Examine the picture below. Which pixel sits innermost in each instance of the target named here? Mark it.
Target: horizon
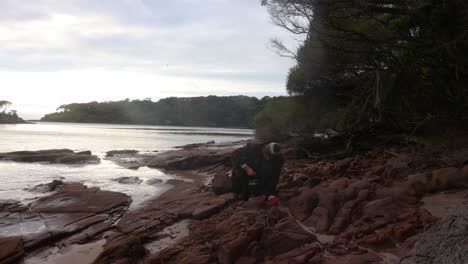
(56, 53)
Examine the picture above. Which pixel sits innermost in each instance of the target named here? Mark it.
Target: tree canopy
(4, 105)
(6, 116)
(393, 63)
(212, 111)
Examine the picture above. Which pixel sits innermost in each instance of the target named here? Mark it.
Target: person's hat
(273, 148)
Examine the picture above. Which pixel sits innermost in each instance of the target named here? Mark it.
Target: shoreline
(333, 210)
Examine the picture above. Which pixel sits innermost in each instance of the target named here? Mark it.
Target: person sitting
(256, 170)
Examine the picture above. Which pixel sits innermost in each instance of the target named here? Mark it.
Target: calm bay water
(99, 138)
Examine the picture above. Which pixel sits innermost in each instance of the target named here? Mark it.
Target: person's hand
(249, 171)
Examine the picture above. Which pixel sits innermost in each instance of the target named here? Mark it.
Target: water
(99, 138)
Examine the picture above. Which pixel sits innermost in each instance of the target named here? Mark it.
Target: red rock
(76, 198)
(343, 217)
(367, 258)
(77, 158)
(419, 184)
(382, 208)
(231, 251)
(354, 188)
(303, 205)
(338, 185)
(446, 178)
(320, 219)
(65, 156)
(186, 159)
(465, 172)
(48, 187)
(205, 211)
(298, 256)
(221, 183)
(285, 236)
(11, 249)
(124, 152)
(124, 246)
(404, 230)
(379, 238)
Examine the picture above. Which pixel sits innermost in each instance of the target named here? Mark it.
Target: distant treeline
(212, 111)
(8, 117)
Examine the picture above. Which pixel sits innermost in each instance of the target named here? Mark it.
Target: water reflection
(99, 138)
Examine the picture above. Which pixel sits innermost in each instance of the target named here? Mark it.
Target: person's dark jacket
(267, 171)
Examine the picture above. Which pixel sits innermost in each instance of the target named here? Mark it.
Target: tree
(4, 105)
(390, 62)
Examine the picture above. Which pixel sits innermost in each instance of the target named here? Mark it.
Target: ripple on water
(103, 175)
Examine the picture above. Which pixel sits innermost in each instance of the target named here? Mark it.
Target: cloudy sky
(61, 51)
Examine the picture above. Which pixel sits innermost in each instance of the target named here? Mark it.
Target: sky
(54, 52)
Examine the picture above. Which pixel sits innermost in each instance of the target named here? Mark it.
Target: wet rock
(87, 152)
(214, 206)
(128, 180)
(129, 159)
(113, 153)
(154, 181)
(77, 159)
(73, 198)
(65, 156)
(221, 183)
(85, 235)
(123, 248)
(187, 159)
(48, 187)
(196, 145)
(11, 249)
(11, 206)
(72, 209)
(39, 152)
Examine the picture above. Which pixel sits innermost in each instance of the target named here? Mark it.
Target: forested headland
(210, 111)
(8, 116)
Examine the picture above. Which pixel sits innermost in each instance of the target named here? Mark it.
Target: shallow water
(99, 138)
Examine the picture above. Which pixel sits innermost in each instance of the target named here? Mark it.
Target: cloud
(216, 45)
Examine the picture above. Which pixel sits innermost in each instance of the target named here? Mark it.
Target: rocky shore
(62, 156)
(381, 205)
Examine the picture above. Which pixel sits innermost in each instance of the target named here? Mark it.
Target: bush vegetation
(7, 116)
(397, 65)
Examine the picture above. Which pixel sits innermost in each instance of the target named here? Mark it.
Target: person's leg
(245, 190)
(240, 184)
(236, 182)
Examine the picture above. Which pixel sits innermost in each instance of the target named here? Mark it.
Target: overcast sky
(54, 52)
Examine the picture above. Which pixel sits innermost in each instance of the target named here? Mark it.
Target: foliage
(4, 105)
(212, 111)
(8, 116)
(391, 63)
(280, 118)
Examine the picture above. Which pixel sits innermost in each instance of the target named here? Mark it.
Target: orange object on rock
(273, 199)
